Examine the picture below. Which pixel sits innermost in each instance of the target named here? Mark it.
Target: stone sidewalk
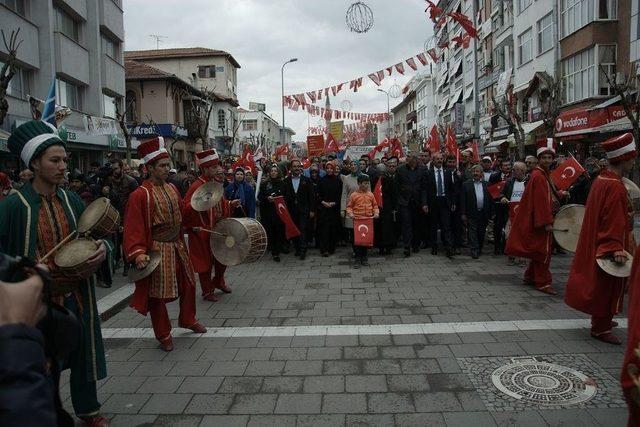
(429, 365)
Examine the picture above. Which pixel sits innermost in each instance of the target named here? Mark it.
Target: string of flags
(293, 102)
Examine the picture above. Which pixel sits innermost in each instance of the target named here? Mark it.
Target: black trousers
(328, 229)
(499, 222)
(441, 219)
(410, 218)
(360, 251)
(300, 242)
(477, 228)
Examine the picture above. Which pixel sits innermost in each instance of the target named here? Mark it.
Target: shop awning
(443, 105)
(4, 136)
(494, 146)
(619, 125)
(468, 93)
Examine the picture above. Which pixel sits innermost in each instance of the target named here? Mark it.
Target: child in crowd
(362, 204)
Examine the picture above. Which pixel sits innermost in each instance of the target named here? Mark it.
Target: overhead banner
(99, 125)
(315, 145)
(337, 130)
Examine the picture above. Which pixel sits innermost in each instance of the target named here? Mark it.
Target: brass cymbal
(154, 261)
(207, 196)
(609, 266)
(632, 188)
(566, 226)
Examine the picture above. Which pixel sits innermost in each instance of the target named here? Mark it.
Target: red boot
(607, 337)
(224, 288)
(211, 297)
(166, 344)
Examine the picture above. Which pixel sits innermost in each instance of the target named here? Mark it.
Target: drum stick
(206, 230)
(56, 247)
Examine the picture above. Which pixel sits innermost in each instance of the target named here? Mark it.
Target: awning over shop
(443, 105)
(494, 146)
(620, 125)
(4, 136)
(586, 120)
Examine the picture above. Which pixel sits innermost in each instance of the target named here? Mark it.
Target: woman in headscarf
(329, 194)
(240, 190)
(349, 185)
(270, 188)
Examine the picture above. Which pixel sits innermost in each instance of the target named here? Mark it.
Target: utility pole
(476, 95)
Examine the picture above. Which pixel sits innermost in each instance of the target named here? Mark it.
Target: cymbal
(206, 196)
(566, 226)
(238, 240)
(632, 188)
(609, 266)
(154, 261)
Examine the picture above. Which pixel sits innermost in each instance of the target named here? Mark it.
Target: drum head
(613, 268)
(75, 252)
(206, 196)
(92, 214)
(632, 188)
(231, 243)
(566, 226)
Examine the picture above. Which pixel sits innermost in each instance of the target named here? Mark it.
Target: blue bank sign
(163, 129)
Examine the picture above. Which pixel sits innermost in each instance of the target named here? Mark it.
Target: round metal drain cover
(543, 383)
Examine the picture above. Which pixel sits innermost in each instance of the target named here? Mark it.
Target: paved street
(403, 342)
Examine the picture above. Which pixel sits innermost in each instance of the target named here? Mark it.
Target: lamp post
(282, 76)
(388, 113)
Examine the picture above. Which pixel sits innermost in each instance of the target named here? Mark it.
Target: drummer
(33, 222)
(530, 235)
(606, 233)
(153, 222)
(199, 247)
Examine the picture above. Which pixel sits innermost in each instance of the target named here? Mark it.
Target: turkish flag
(513, 208)
(566, 174)
(332, 145)
(290, 228)
(474, 150)
(363, 232)
(377, 192)
(496, 189)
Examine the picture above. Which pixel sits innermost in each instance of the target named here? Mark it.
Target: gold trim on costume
(28, 227)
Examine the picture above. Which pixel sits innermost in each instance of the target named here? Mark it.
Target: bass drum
(566, 226)
(238, 240)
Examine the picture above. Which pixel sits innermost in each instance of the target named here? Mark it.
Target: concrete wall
(634, 46)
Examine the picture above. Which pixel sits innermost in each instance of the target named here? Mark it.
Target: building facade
(211, 71)
(80, 43)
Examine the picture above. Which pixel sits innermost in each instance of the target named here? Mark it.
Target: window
(68, 94)
(523, 4)
(207, 71)
(545, 33)
(579, 76)
(109, 104)
(249, 125)
(17, 6)
(524, 47)
(607, 59)
(222, 119)
(19, 85)
(67, 25)
(132, 105)
(111, 48)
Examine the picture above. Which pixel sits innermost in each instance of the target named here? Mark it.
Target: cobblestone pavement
(277, 355)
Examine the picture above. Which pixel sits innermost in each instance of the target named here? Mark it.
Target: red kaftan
(605, 230)
(528, 238)
(633, 339)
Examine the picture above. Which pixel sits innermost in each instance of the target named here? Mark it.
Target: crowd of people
(423, 201)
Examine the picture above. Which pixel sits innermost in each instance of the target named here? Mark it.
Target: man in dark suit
(476, 208)
(501, 211)
(441, 202)
(301, 201)
(412, 202)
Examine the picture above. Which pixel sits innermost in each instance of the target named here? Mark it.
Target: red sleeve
(541, 202)
(190, 217)
(135, 224)
(613, 223)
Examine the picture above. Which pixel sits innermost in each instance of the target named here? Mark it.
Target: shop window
(545, 33)
(524, 47)
(132, 104)
(68, 94)
(67, 25)
(222, 119)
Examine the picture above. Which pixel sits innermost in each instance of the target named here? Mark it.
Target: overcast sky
(262, 34)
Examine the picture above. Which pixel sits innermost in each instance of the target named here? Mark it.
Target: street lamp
(388, 114)
(282, 76)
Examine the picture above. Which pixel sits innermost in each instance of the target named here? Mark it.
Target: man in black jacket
(301, 201)
(441, 201)
(501, 211)
(476, 208)
(412, 201)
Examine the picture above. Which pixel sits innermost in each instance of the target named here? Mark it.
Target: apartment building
(208, 70)
(79, 42)
(426, 106)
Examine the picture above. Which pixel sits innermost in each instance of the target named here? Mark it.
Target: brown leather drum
(566, 226)
(238, 240)
(99, 219)
(71, 259)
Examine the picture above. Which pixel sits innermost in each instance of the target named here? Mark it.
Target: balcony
(76, 7)
(29, 49)
(72, 59)
(111, 20)
(112, 76)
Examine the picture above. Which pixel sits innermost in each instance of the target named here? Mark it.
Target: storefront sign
(580, 121)
(163, 129)
(99, 125)
(356, 151)
(315, 145)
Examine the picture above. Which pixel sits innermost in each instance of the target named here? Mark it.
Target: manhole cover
(542, 383)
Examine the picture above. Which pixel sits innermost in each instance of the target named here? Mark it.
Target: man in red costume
(631, 380)
(199, 247)
(530, 235)
(606, 231)
(153, 222)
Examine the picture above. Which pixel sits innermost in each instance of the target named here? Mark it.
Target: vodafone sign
(576, 122)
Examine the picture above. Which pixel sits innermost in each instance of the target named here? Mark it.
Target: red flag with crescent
(513, 208)
(363, 232)
(377, 192)
(566, 174)
(496, 189)
(290, 228)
